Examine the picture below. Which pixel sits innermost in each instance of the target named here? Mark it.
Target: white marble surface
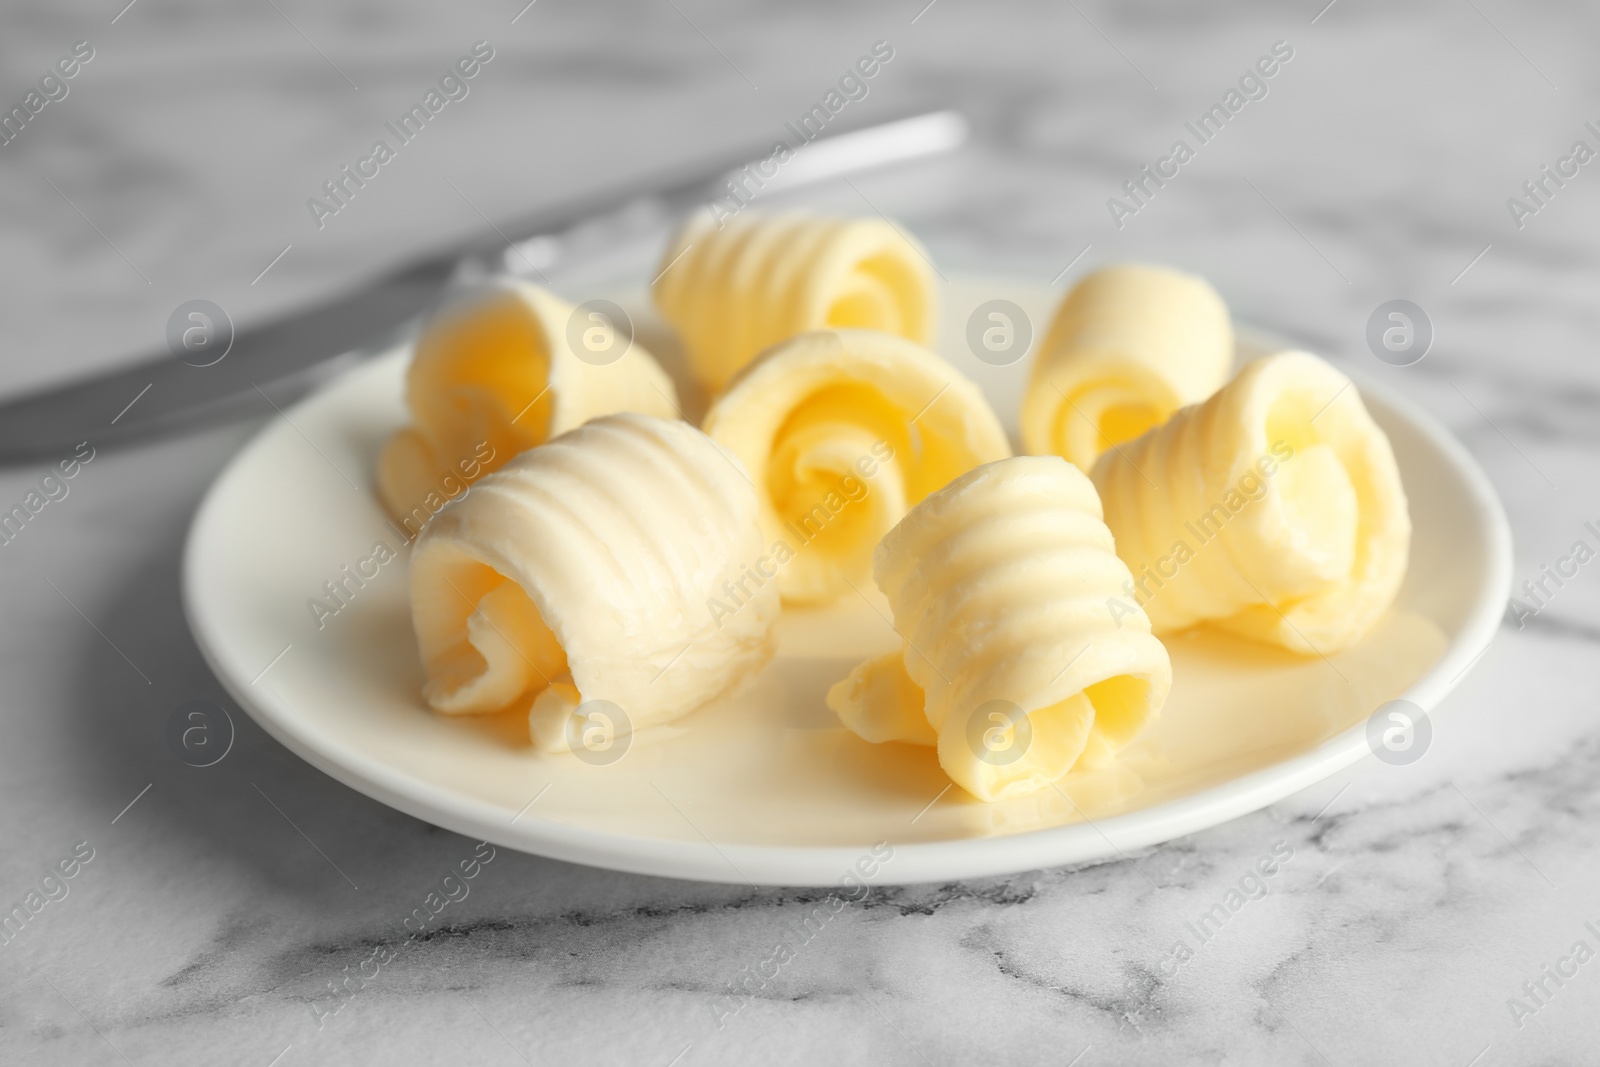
(1416, 903)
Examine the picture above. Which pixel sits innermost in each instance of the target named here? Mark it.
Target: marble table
(212, 912)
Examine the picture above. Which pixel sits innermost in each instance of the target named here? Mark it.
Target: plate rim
(1084, 842)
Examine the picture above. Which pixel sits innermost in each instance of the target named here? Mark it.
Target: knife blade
(276, 361)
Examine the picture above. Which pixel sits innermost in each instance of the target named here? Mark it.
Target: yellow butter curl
(842, 431)
(733, 291)
(494, 373)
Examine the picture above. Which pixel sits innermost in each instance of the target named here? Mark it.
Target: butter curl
(1011, 664)
(1274, 510)
(842, 431)
(494, 373)
(732, 290)
(1129, 345)
(583, 571)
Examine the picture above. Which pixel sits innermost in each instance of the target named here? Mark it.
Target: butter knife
(277, 361)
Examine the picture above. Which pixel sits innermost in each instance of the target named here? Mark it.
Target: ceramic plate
(766, 787)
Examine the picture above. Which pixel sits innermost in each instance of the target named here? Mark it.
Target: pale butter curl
(1011, 664)
(1274, 510)
(582, 571)
(1129, 345)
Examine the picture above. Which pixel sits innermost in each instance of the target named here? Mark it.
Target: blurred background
(1378, 166)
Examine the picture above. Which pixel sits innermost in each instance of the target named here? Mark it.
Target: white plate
(766, 787)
